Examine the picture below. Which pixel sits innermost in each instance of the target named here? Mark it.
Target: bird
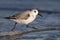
(24, 17)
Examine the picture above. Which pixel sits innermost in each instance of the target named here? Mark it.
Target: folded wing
(23, 15)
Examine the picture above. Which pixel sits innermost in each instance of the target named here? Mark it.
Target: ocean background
(12, 7)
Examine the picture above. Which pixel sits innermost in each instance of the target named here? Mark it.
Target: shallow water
(11, 7)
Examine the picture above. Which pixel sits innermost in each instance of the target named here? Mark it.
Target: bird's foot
(13, 28)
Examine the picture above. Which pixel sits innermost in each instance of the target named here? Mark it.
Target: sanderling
(25, 17)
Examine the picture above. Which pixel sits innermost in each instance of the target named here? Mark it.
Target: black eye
(35, 11)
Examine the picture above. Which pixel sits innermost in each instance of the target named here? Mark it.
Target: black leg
(14, 26)
(31, 27)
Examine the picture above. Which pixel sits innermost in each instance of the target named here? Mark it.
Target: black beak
(39, 13)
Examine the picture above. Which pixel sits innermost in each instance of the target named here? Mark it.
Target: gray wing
(23, 15)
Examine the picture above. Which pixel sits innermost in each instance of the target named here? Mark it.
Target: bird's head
(36, 12)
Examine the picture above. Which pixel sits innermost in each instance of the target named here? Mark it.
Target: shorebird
(25, 17)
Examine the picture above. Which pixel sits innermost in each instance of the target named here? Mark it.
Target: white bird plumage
(25, 17)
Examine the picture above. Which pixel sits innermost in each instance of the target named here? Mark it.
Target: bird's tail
(8, 17)
(5, 17)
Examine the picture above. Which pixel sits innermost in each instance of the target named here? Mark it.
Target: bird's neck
(34, 16)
